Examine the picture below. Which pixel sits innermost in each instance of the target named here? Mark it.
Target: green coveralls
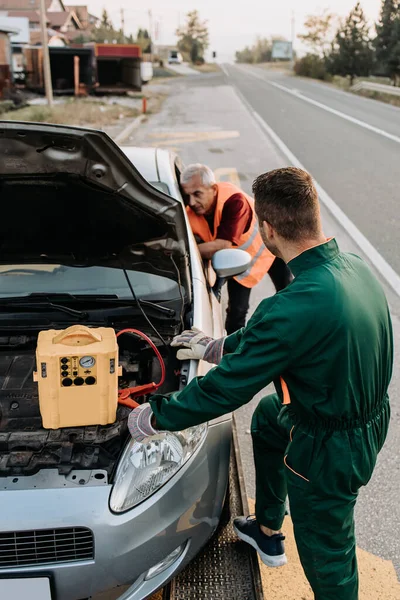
(329, 336)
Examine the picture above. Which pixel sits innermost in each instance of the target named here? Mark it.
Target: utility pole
(293, 34)
(123, 25)
(46, 58)
(151, 34)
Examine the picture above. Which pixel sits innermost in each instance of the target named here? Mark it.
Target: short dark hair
(288, 201)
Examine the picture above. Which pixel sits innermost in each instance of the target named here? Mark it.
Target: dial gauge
(87, 362)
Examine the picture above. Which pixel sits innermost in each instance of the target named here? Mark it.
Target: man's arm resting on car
(208, 249)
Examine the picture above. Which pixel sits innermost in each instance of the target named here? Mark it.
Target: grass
(73, 112)
(344, 84)
(207, 68)
(163, 72)
(382, 97)
(284, 65)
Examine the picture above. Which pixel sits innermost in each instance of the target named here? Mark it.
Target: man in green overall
(326, 343)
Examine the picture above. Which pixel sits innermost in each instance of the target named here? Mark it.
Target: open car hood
(70, 196)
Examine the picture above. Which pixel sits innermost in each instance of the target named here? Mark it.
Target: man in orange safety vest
(221, 216)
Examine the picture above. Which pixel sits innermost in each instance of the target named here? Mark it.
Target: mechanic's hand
(139, 423)
(198, 346)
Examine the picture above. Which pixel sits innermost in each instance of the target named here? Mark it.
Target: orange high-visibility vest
(250, 241)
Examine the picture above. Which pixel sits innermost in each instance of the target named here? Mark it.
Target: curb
(121, 137)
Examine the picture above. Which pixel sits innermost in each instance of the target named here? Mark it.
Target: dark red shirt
(235, 220)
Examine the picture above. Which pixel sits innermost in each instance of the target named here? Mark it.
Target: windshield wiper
(158, 307)
(37, 299)
(44, 305)
(108, 298)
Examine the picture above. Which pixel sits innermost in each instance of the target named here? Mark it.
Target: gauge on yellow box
(87, 362)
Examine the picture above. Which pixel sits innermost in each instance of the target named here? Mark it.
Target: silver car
(86, 239)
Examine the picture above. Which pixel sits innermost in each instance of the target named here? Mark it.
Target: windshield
(23, 280)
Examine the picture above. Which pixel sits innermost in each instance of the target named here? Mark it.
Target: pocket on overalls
(300, 458)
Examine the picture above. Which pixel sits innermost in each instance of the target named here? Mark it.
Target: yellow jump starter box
(77, 374)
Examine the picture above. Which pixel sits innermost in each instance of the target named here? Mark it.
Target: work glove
(196, 345)
(139, 423)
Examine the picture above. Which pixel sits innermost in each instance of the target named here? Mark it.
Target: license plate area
(32, 588)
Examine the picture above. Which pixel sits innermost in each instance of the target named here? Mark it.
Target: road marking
(216, 134)
(229, 174)
(189, 137)
(338, 113)
(224, 69)
(380, 264)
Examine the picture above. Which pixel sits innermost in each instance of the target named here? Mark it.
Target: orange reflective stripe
(293, 471)
(250, 241)
(285, 392)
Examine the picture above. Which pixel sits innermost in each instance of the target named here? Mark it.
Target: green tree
(312, 65)
(352, 53)
(384, 31)
(193, 36)
(105, 20)
(394, 57)
(143, 40)
(319, 32)
(245, 56)
(105, 32)
(260, 52)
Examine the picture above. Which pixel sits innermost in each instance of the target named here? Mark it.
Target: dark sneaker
(270, 547)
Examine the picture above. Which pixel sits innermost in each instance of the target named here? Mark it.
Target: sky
(230, 28)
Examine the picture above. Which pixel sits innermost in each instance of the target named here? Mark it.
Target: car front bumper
(184, 512)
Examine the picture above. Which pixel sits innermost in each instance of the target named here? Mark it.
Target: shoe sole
(270, 561)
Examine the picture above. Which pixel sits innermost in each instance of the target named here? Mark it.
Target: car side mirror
(229, 263)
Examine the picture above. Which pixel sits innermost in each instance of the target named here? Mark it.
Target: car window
(179, 167)
(22, 280)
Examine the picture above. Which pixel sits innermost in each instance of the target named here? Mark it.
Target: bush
(6, 105)
(312, 65)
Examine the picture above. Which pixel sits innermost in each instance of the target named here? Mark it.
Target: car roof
(156, 165)
(145, 160)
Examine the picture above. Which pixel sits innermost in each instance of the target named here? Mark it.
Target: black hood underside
(71, 196)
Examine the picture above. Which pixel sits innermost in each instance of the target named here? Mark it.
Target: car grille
(30, 548)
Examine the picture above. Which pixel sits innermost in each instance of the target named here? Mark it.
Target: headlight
(145, 467)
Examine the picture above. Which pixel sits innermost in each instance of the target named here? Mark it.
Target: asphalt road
(359, 168)
(205, 120)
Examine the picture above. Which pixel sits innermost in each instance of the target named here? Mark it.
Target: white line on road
(333, 111)
(224, 70)
(380, 264)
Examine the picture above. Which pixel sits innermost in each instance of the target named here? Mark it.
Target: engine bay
(26, 447)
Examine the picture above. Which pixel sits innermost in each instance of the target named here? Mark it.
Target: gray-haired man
(222, 216)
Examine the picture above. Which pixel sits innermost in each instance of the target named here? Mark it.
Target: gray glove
(196, 345)
(139, 423)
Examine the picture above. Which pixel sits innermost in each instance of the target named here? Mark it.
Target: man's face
(201, 199)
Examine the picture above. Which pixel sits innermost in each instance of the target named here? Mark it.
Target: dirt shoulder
(109, 113)
(207, 68)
